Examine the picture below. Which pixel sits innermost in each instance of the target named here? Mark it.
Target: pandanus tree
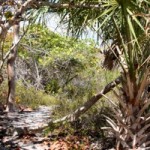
(130, 23)
(131, 127)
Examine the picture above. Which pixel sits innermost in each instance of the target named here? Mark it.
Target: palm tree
(131, 126)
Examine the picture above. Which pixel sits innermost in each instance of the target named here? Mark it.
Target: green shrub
(33, 98)
(3, 92)
(27, 96)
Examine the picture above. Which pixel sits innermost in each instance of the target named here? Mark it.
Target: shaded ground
(23, 131)
(38, 142)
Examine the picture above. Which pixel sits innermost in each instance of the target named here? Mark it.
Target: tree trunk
(11, 70)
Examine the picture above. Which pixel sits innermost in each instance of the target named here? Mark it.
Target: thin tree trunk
(88, 104)
(11, 70)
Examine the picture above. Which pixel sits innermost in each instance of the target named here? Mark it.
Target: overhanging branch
(71, 5)
(87, 105)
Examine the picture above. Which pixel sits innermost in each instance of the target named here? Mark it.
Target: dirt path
(23, 131)
(13, 126)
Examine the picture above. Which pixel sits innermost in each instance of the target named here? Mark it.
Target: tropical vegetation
(124, 27)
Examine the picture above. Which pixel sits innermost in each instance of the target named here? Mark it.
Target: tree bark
(11, 70)
(88, 104)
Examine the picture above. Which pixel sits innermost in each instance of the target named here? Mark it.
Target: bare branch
(17, 15)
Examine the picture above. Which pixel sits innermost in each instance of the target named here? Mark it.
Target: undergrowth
(28, 97)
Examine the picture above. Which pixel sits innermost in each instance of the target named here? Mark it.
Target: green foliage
(3, 92)
(70, 68)
(8, 14)
(33, 98)
(68, 61)
(29, 97)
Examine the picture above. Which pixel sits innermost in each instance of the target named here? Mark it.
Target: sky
(53, 24)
